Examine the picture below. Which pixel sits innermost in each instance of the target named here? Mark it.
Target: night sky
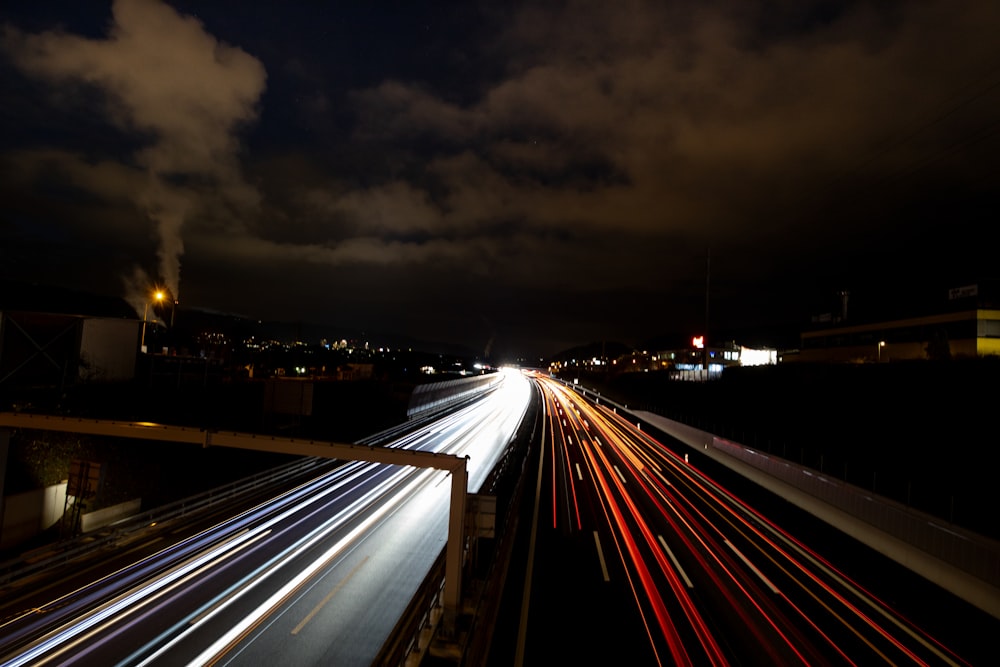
(513, 177)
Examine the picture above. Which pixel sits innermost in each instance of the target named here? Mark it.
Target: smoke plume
(170, 82)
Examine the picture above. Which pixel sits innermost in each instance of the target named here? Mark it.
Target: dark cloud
(562, 170)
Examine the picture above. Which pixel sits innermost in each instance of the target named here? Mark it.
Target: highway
(642, 558)
(319, 575)
(689, 573)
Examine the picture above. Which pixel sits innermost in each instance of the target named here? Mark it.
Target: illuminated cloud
(695, 111)
(174, 85)
(581, 154)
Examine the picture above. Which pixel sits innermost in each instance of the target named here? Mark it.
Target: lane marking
(619, 472)
(522, 630)
(600, 556)
(221, 601)
(680, 570)
(579, 474)
(760, 574)
(329, 596)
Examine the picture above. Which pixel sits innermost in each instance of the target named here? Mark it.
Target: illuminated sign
(698, 342)
(749, 357)
(963, 292)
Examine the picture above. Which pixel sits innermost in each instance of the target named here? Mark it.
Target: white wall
(108, 349)
(27, 514)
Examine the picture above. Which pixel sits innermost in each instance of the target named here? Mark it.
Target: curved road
(319, 575)
(680, 571)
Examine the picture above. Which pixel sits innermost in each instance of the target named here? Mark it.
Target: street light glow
(159, 296)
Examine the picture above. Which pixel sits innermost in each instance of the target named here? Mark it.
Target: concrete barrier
(108, 515)
(959, 561)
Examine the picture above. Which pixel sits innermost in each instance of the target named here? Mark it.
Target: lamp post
(145, 311)
(881, 344)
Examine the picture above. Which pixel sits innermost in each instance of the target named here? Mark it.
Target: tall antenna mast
(708, 277)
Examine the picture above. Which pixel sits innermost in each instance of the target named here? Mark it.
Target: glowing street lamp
(145, 311)
(881, 344)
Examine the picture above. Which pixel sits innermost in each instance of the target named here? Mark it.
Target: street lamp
(881, 344)
(145, 311)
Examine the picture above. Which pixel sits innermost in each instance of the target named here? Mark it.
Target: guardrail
(444, 394)
(117, 531)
